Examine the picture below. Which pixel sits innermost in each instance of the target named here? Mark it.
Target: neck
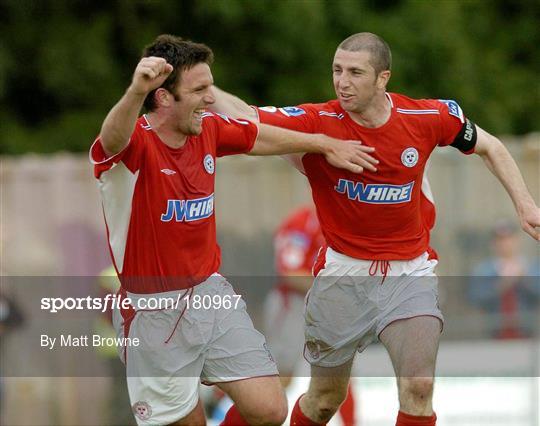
(374, 115)
(167, 132)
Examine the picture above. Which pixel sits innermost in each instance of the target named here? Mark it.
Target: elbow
(110, 146)
(491, 147)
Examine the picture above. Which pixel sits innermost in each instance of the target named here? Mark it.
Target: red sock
(233, 418)
(410, 420)
(346, 411)
(300, 419)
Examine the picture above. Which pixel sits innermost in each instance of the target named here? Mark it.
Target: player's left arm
(499, 161)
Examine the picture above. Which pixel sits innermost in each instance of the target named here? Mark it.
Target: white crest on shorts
(409, 157)
(142, 410)
(209, 164)
(314, 349)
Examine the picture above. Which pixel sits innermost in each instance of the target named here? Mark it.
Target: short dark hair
(181, 54)
(381, 56)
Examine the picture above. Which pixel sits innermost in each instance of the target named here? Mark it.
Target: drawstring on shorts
(190, 291)
(383, 265)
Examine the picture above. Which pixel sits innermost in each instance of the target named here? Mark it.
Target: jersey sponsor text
(189, 210)
(375, 193)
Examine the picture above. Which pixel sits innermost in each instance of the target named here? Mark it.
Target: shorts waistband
(333, 255)
(173, 294)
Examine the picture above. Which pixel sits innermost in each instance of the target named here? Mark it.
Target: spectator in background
(507, 286)
(11, 317)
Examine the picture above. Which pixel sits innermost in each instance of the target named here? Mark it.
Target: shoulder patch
(454, 109)
(292, 111)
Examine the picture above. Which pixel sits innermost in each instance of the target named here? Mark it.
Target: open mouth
(198, 113)
(345, 96)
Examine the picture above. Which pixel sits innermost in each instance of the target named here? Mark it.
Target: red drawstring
(384, 266)
(181, 314)
(134, 312)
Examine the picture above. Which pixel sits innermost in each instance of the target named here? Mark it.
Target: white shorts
(348, 307)
(284, 328)
(182, 345)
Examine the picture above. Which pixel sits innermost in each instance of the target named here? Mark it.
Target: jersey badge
(291, 111)
(409, 157)
(454, 109)
(208, 163)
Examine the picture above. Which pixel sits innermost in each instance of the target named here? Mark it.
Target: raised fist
(149, 74)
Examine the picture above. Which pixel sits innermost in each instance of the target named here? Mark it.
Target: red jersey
(375, 215)
(298, 241)
(158, 203)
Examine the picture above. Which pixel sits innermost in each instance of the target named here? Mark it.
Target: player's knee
(267, 414)
(419, 389)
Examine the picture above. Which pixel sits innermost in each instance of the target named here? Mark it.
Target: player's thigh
(163, 370)
(412, 345)
(256, 395)
(340, 316)
(236, 350)
(162, 400)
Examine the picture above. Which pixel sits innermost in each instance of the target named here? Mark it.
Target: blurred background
(63, 65)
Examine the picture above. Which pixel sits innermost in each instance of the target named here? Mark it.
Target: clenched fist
(149, 74)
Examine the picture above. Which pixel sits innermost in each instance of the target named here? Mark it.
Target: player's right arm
(232, 106)
(349, 155)
(294, 137)
(119, 124)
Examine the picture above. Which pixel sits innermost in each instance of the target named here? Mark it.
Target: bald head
(380, 55)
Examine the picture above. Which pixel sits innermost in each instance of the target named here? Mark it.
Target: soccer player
(296, 245)
(156, 175)
(375, 227)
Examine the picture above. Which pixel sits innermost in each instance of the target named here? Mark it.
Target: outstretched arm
(232, 106)
(499, 161)
(272, 140)
(119, 124)
(349, 155)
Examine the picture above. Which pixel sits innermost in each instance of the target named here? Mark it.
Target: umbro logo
(168, 171)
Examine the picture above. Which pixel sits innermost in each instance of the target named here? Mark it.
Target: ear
(382, 79)
(162, 97)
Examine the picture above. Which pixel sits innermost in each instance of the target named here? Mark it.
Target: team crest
(409, 157)
(142, 410)
(209, 164)
(314, 349)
